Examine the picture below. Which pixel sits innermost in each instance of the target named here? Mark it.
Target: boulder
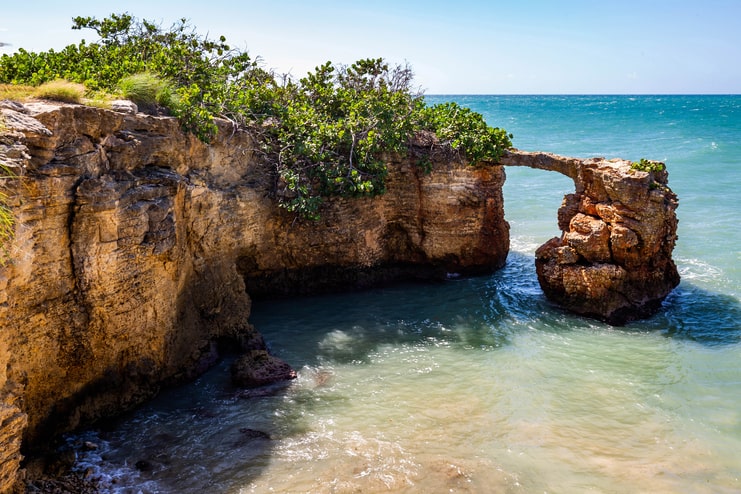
(124, 106)
(259, 368)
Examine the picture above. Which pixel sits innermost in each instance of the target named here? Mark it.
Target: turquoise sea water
(479, 385)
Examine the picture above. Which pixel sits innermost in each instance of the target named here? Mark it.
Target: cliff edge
(136, 246)
(137, 249)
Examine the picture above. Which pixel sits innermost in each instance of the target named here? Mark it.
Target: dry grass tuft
(16, 92)
(61, 90)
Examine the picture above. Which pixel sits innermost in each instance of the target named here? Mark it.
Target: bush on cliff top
(326, 133)
(645, 165)
(147, 90)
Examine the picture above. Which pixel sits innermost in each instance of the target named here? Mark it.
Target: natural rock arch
(613, 260)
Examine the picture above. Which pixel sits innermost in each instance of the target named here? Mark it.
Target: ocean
(480, 385)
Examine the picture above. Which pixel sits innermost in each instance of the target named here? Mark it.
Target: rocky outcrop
(136, 247)
(613, 260)
(258, 368)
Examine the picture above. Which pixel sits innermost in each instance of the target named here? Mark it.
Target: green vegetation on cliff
(645, 165)
(6, 215)
(326, 133)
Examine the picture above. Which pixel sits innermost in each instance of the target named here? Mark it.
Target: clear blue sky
(463, 47)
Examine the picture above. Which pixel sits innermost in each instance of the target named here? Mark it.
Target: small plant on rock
(6, 214)
(645, 165)
(16, 92)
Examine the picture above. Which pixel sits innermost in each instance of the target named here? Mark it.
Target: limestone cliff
(613, 260)
(136, 247)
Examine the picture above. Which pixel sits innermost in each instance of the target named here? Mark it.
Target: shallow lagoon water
(480, 384)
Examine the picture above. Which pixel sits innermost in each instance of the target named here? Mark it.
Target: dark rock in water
(252, 441)
(144, 465)
(258, 368)
(253, 433)
(202, 413)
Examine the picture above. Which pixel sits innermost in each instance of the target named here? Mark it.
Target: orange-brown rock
(613, 260)
(136, 247)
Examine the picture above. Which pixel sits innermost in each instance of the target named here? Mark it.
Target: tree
(326, 133)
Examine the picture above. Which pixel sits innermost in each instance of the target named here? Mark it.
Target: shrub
(147, 90)
(645, 165)
(334, 129)
(61, 90)
(326, 133)
(465, 131)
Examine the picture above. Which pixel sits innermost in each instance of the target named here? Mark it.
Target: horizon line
(581, 94)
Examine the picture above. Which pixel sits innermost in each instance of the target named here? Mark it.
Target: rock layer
(135, 246)
(613, 260)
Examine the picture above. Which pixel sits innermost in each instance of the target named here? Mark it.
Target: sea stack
(613, 260)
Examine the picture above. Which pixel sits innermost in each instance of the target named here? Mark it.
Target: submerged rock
(253, 433)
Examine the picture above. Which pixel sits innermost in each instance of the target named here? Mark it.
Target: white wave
(699, 271)
(524, 245)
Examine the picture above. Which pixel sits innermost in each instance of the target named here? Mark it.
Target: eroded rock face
(613, 260)
(136, 244)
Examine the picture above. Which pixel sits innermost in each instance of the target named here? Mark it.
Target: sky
(462, 47)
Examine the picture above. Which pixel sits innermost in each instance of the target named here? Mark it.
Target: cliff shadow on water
(188, 439)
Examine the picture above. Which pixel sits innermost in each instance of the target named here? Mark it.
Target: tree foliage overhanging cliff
(326, 132)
